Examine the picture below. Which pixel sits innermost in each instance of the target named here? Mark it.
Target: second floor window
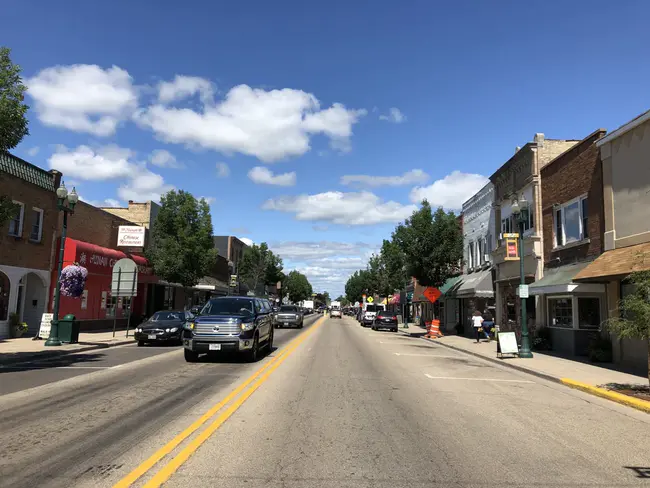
(36, 232)
(571, 222)
(16, 223)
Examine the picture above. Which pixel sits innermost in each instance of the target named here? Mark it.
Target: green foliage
(394, 262)
(8, 209)
(634, 321)
(297, 287)
(259, 267)
(13, 110)
(432, 245)
(358, 284)
(322, 299)
(181, 248)
(344, 301)
(600, 349)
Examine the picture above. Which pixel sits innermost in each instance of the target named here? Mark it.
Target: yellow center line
(149, 463)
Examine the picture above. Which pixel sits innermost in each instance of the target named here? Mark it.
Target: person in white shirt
(477, 322)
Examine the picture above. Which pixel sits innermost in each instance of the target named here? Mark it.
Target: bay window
(574, 312)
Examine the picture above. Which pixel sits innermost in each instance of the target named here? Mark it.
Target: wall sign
(130, 236)
(512, 247)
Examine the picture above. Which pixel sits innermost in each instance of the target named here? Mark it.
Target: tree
(358, 284)
(181, 248)
(297, 287)
(13, 120)
(322, 298)
(343, 301)
(259, 266)
(634, 321)
(394, 262)
(432, 245)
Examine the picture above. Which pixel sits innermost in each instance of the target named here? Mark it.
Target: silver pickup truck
(289, 316)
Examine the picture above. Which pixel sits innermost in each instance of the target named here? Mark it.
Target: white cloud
(111, 163)
(164, 159)
(326, 264)
(83, 97)
(223, 171)
(395, 115)
(105, 163)
(363, 208)
(108, 202)
(33, 151)
(183, 87)
(269, 125)
(451, 191)
(409, 178)
(144, 185)
(264, 176)
(208, 200)
(246, 240)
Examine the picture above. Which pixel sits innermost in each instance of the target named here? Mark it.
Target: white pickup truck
(335, 310)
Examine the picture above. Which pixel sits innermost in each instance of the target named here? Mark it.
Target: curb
(45, 355)
(626, 400)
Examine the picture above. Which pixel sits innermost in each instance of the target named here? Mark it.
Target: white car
(336, 312)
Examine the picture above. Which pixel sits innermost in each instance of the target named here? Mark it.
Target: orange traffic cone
(433, 329)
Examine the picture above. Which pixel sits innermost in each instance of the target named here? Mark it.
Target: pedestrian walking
(477, 322)
(488, 324)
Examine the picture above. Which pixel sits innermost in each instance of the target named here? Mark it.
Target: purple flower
(73, 280)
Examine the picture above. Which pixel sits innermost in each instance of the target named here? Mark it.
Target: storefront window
(4, 296)
(560, 312)
(589, 313)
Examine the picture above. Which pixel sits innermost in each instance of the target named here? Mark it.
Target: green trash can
(69, 329)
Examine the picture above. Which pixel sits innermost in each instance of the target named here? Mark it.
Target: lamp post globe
(62, 192)
(73, 197)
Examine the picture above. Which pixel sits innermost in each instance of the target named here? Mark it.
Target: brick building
(27, 241)
(572, 221)
(143, 214)
(520, 178)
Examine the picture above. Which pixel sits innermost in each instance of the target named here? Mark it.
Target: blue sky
(289, 97)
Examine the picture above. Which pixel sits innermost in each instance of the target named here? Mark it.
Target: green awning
(451, 285)
(560, 280)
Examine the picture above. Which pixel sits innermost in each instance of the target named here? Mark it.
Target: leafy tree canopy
(297, 287)
(259, 267)
(432, 245)
(181, 249)
(13, 110)
(358, 284)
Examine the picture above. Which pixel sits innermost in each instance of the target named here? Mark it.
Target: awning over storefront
(476, 285)
(561, 280)
(451, 285)
(208, 283)
(100, 260)
(616, 263)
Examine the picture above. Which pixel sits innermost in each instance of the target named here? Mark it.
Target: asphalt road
(64, 420)
(338, 406)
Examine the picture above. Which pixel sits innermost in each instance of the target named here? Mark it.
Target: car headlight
(137, 329)
(173, 329)
(247, 325)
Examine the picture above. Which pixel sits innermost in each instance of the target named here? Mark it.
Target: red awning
(395, 299)
(100, 260)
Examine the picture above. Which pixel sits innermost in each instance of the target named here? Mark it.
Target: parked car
(230, 324)
(369, 313)
(289, 316)
(163, 326)
(385, 320)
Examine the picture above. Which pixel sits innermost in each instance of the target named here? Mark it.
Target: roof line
(632, 124)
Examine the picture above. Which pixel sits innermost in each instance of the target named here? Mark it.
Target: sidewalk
(14, 351)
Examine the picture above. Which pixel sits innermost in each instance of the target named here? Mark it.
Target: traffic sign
(523, 291)
(370, 299)
(432, 294)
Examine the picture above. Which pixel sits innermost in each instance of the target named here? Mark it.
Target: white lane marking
(424, 355)
(475, 379)
(8, 366)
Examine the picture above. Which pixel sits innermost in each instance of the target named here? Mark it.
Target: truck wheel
(254, 351)
(191, 356)
(269, 343)
(300, 325)
(140, 343)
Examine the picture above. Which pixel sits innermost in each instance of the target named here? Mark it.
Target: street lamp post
(520, 209)
(71, 199)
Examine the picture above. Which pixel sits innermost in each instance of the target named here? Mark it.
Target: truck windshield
(371, 308)
(228, 306)
(288, 308)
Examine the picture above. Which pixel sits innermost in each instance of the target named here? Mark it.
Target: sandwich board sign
(46, 325)
(507, 343)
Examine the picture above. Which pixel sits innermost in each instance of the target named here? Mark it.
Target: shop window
(16, 223)
(4, 296)
(111, 306)
(571, 222)
(470, 256)
(588, 312)
(560, 311)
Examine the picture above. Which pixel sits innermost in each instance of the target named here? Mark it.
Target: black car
(230, 324)
(163, 326)
(385, 320)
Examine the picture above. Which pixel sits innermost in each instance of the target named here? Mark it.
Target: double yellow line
(259, 377)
